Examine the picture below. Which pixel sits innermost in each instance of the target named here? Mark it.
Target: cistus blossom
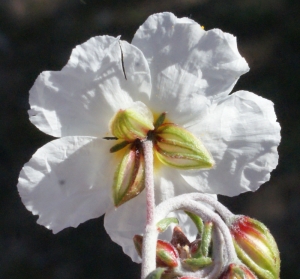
(172, 67)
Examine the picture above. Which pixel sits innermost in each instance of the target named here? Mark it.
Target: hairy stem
(187, 202)
(151, 233)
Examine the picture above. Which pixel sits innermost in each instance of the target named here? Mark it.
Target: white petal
(82, 97)
(242, 135)
(189, 66)
(68, 181)
(123, 223)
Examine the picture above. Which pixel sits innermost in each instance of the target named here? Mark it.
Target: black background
(38, 35)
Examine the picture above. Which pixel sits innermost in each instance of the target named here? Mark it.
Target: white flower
(172, 66)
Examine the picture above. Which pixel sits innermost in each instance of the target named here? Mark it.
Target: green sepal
(160, 120)
(197, 263)
(177, 147)
(156, 274)
(129, 175)
(118, 146)
(163, 224)
(197, 221)
(132, 123)
(206, 239)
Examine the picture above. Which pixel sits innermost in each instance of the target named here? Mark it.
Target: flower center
(173, 146)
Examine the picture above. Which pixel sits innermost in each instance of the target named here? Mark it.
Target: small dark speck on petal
(61, 182)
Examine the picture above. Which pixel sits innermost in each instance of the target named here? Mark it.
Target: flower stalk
(151, 232)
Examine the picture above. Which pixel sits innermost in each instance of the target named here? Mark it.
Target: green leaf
(163, 224)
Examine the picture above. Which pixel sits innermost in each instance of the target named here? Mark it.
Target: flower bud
(129, 176)
(256, 247)
(179, 148)
(235, 271)
(132, 123)
(179, 238)
(166, 254)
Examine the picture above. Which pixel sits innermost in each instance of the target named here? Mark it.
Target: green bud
(129, 176)
(256, 247)
(132, 123)
(179, 148)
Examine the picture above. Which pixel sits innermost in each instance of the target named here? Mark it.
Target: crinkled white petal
(130, 219)
(189, 67)
(242, 135)
(82, 97)
(67, 182)
(124, 222)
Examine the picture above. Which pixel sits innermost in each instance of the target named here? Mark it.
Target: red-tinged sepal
(237, 271)
(138, 244)
(179, 238)
(166, 254)
(129, 176)
(156, 274)
(256, 247)
(177, 147)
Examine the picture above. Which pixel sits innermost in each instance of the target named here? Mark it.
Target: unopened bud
(179, 238)
(132, 123)
(179, 148)
(256, 247)
(129, 176)
(237, 271)
(166, 254)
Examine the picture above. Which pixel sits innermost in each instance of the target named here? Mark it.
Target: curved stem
(151, 233)
(187, 202)
(223, 211)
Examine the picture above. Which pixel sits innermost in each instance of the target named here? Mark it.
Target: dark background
(38, 35)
